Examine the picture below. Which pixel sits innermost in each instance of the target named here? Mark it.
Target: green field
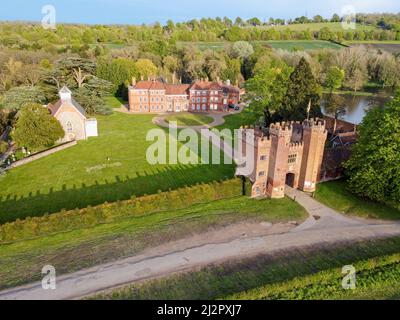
(21, 261)
(300, 45)
(110, 167)
(276, 44)
(313, 27)
(336, 195)
(189, 119)
(308, 273)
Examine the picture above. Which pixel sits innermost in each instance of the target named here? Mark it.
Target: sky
(149, 11)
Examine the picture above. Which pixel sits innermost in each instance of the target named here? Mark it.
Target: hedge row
(110, 212)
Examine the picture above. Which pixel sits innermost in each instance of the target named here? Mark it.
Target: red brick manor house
(201, 96)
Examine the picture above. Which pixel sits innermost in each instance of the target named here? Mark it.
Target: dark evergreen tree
(302, 89)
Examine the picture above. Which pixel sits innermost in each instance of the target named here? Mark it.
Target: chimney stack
(133, 81)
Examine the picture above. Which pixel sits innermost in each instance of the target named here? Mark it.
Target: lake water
(357, 106)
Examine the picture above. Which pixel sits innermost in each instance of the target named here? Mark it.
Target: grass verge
(335, 194)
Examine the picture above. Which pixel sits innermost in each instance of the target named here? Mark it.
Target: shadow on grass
(36, 203)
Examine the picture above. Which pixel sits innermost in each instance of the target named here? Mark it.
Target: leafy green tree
(146, 68)
(302, 88)
(232, 71)
(335, 18)
(334, 78)
(36, 128)
(16, 98)
(318, 19)
(239, 22)
(374, 166)
(254, 22)
(267, 89)
(3, 146)
(119, 71)
(335, 105)
(242, 49)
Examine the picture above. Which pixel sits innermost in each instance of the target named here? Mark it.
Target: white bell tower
(65, 94)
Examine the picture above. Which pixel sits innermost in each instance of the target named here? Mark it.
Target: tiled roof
(177, 89)
(206, 85)
(180, 89)
(55, 107)
(150, 85)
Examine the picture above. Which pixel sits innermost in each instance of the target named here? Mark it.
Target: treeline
(75, 38)
(111, 212)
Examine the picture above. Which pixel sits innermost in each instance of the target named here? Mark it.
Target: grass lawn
(114, 102)
(21, 261)
(190, 119)
(335, 195)
(110, 167)
(288, 275)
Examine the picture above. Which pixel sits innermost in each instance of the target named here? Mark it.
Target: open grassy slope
(110, 167)
(21, 261)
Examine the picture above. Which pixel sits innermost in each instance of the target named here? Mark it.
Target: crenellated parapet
(296, 146)
(315, 125)
(280, 129)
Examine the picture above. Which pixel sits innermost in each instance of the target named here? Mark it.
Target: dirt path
(324, 225)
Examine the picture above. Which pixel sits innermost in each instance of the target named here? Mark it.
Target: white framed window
(69, 127)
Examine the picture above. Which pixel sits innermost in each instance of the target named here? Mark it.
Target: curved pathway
(324, 225)
(218, 119)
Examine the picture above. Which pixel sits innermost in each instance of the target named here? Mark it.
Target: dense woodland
(35, 63)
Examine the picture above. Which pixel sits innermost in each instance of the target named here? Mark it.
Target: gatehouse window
(292, 158)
